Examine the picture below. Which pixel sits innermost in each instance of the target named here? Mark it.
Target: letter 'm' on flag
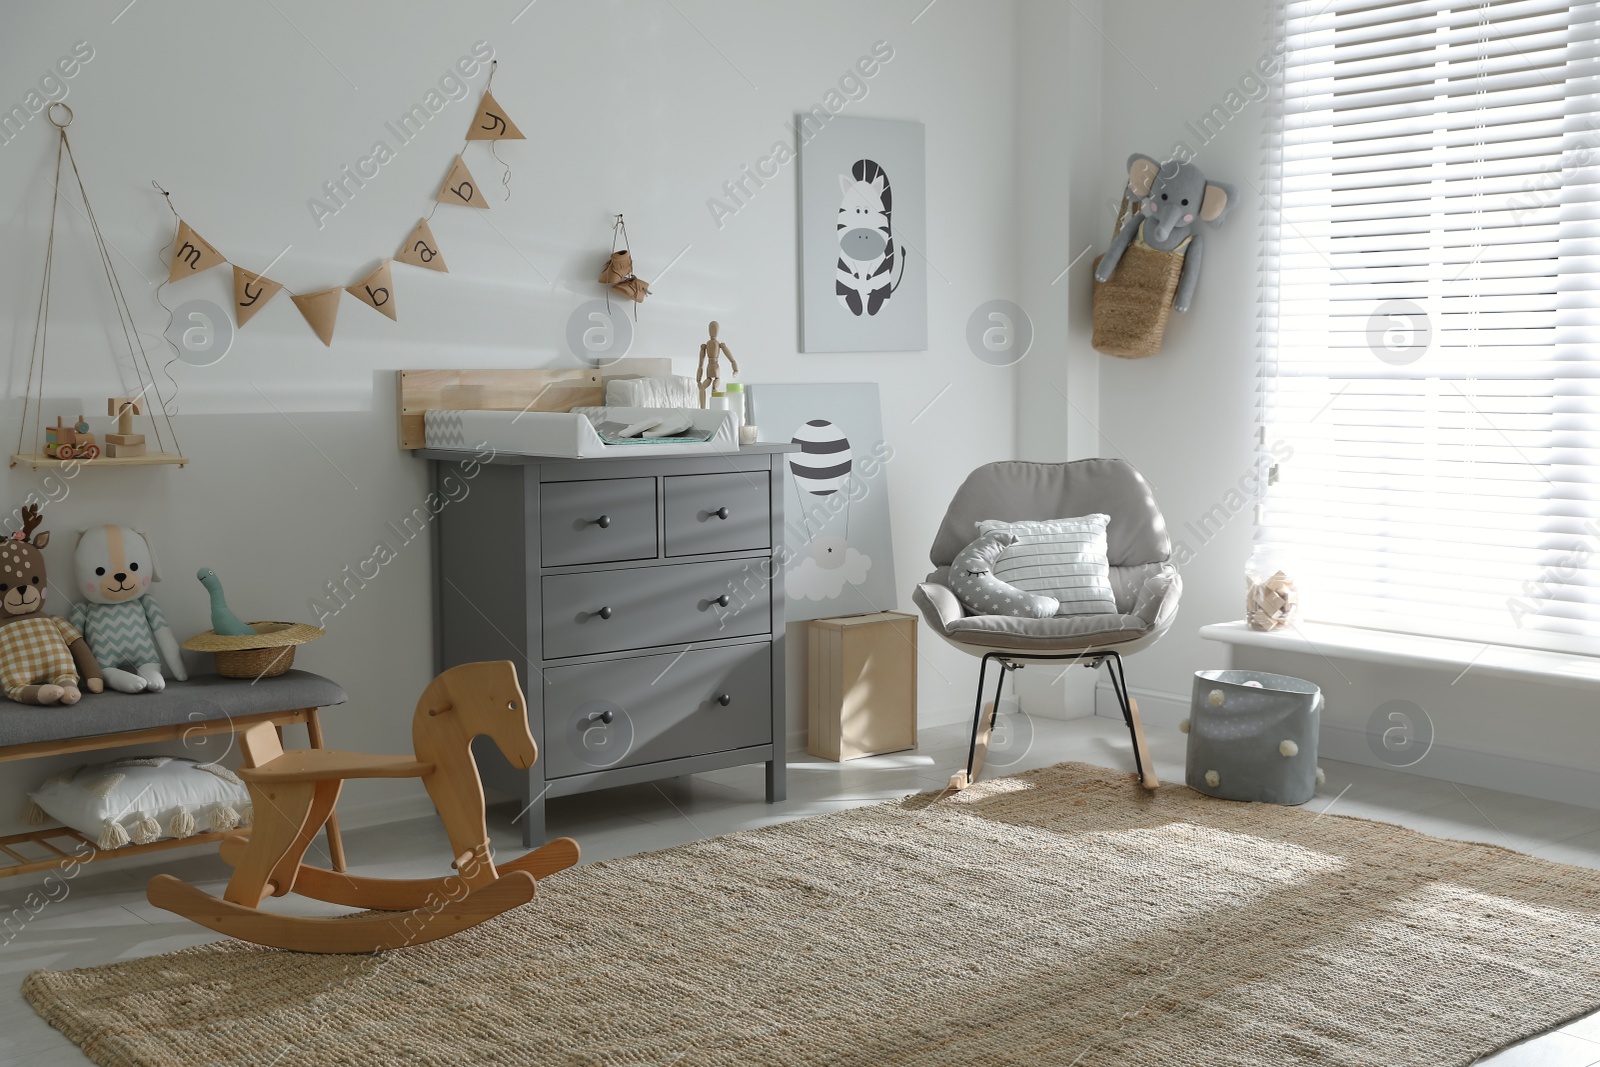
(192, 254)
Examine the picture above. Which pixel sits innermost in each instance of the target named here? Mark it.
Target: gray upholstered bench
(206, 704)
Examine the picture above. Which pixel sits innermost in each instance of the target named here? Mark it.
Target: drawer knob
(721, 601)
(604, 522)
(602, 717)
(721, 513)
(725, 699)
(605, 612)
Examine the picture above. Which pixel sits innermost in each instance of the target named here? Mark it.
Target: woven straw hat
(267, 635)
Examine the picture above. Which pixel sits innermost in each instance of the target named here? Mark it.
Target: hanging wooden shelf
(76, 445)
(36, 460)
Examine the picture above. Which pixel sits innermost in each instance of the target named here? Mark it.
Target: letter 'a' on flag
(192, 254)
(421, 250)
(376, 290)
(320, 310)
(491, 123)
(251, 293)
(461, 188)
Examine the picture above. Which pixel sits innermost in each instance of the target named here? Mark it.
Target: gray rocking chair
(1147, 586)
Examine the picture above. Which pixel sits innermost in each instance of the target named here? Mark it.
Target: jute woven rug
(1059, 917)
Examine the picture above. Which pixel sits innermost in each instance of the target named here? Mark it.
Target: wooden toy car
(65, 442)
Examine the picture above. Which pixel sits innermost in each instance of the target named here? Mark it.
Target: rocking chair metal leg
(1130, 715)
(978, 746)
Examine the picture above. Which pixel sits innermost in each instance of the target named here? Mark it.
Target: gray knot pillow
(980, 592)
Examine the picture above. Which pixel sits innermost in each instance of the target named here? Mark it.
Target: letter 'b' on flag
(461, 188)
(376, 290)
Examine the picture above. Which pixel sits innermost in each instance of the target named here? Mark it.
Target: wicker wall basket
(1131, 310)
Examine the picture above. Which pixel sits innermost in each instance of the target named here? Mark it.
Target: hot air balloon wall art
(863, 231)
(839, 558)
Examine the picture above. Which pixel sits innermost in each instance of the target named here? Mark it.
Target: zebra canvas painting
(862, 190)
(866, 239)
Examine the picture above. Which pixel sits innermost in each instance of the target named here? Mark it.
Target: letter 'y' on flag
(492, 124)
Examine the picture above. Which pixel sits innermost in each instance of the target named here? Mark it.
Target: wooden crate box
(861, 694)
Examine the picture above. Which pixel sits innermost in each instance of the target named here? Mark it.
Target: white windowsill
(1473, 658)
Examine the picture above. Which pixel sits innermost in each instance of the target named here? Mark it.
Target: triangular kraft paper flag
(251, 293)
(376, 290)
(320, 309)
(421, 250)
(461, 188)
(492, 124)
(192, 254)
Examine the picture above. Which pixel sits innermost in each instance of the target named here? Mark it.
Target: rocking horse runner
(294, 793)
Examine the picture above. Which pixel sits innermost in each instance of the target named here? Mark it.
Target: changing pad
(568, 434)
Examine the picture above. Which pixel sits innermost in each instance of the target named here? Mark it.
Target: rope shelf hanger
(61, 446)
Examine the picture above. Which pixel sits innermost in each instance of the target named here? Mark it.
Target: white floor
(105, 916)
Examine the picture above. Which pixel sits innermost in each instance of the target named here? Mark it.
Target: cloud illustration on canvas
(821, 574)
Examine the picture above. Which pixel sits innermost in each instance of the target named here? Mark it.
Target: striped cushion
(1063, 558)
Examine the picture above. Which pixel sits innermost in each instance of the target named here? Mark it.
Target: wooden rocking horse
(294, 793)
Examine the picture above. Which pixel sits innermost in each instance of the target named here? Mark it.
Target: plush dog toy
(974, 584)
(42, 656)
(126, 631)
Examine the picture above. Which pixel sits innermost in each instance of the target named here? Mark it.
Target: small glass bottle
(1271, 600)
(734, 391)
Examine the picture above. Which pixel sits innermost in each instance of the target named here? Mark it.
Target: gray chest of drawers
(642, 601)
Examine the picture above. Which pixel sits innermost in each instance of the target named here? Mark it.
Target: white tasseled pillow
(1063, 558)
(143, 799)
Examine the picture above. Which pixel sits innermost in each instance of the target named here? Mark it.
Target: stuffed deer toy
(42, 657)
(127, 632)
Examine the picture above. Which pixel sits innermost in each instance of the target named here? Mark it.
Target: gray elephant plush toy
(1173, 197)
(980, 592)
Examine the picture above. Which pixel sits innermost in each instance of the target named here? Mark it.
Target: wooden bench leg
(335, 840)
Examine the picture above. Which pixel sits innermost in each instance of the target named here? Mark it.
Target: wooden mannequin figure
(709, 374)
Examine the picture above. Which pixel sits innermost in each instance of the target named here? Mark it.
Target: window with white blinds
(1431, 317)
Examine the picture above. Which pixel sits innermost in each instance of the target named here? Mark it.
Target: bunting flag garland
(251, 293)
(192, 254)
(491, 123)
(459, 187)
(376, 290)
(421, 250)
(320, 309)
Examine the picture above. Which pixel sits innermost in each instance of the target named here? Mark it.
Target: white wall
(628, 107)
(1186, 416)
(1059, 65)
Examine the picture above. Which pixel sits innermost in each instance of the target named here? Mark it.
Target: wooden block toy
(125, 438)
(124, 451)
(124, 408)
